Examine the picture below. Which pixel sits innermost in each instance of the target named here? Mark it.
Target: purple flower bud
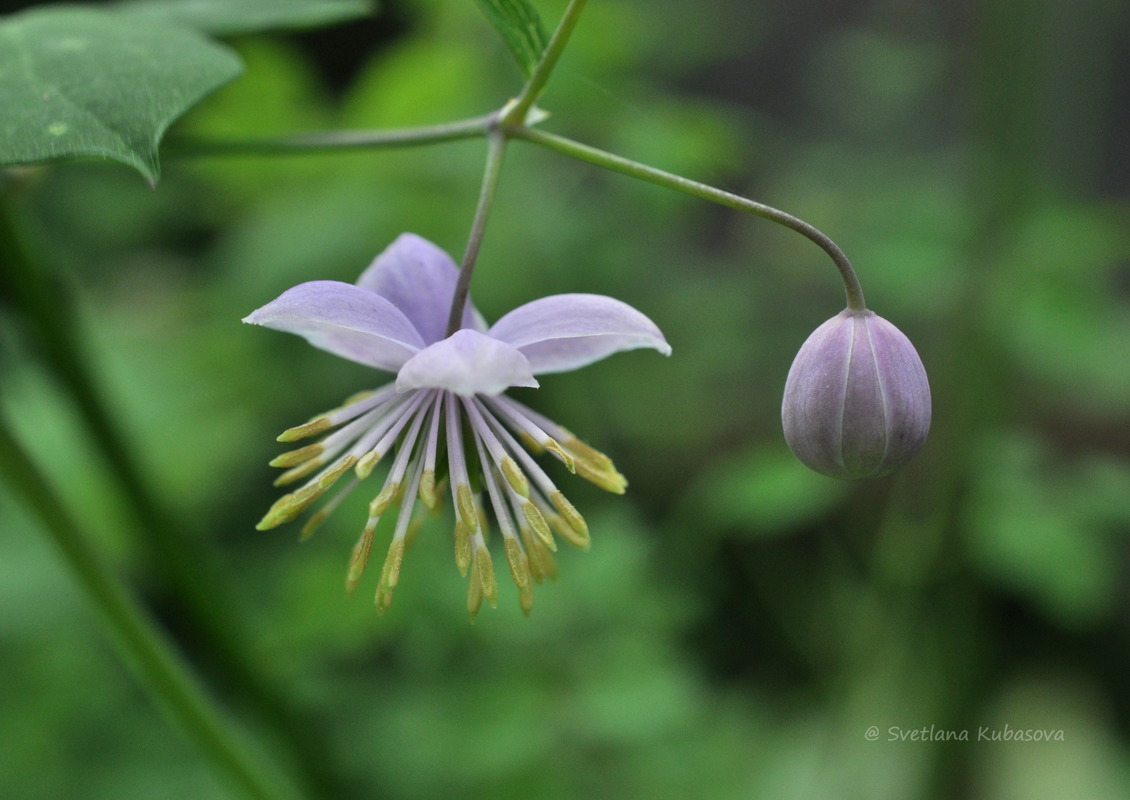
(857, 402)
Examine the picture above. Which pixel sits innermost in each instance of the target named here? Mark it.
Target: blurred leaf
(77, 82)
(231, 17)
(1056, 305)
(520, 26)
(764, 492)
(1044, 526)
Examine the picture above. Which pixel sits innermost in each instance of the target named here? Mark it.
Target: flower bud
(857, 402)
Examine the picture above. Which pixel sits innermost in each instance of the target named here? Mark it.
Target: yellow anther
(541, 561)
(366, 464)
(291, 505)
(335, 472)
(582, 452)
(526, 599)
(390, 574)
(383, 598)
(465, 506)
(291, 475)
(360, 556)
(317, 425)
(538, 523)
(530, 443)
(474, 598)
(313, 523)
(609, 480)
(293, 458)
(428, 490)
(519, 564)
(552, 446)
(283, 510)
(413, 529)
(484, 571)
(515, 477)
(382, 501)
(575, 522)
(462, 547)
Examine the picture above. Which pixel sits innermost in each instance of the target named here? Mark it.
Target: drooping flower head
(857, 400)
(395, 319)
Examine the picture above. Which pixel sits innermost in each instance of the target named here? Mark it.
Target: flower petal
(419, 278)
(345, 320)
(567, 331)
(466, 363)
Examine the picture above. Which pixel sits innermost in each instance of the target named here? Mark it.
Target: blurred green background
(740, 623)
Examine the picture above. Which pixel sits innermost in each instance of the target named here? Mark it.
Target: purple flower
(394, 319)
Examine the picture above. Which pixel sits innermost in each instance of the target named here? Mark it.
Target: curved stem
(516, 113)
(701, 190)
(496, 147)
(144, 648)
(340, 140)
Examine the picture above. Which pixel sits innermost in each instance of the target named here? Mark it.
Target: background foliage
(740, 622)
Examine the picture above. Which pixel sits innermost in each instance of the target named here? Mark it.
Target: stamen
(293, 458)
(576, 523)
(366, 464)
(609, 480)
(538, 524)
(428, 490)
(359, 558)
(531, 467)
(542, 563)
(291, 505)
(396, 416)
(519, 566)
(528, 431)
(390, 573)
(465, 504)
(591, 464)
(379, 504)
(462, 548)
(331, 446)
(515, 477)
(484, 571)
(474, 598)
(428, 479)
(318, 518)
(313, 427)
(497, 452)
(515, 558)
(291, 475)
(457, 467)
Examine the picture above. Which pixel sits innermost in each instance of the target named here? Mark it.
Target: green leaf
(521, 29)
(232, 17)
(76, 82)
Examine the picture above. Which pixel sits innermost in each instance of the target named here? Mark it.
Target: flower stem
(339, 140)
(496, 147)
(669, 180)
(516, 113)
(140, 641)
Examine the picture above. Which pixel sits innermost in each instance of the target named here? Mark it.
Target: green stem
(701, 190)
(140, 641)
(338, 140)
(495, 150)
(516, 113)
